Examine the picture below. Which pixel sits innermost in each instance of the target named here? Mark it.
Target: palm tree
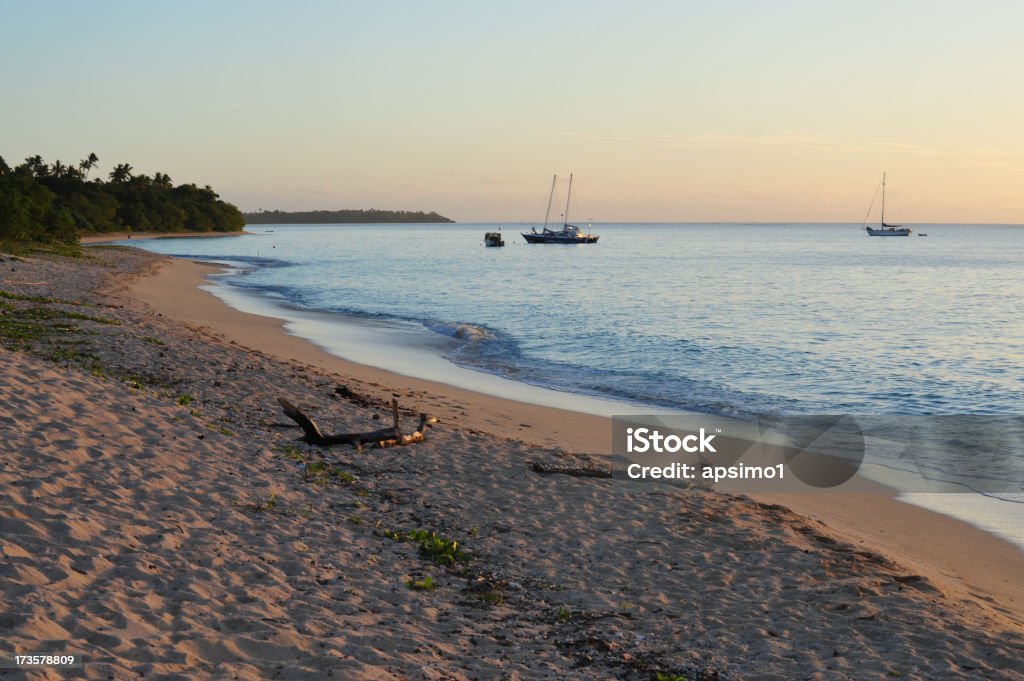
(88, 164)
(36, 166)
(121, 173)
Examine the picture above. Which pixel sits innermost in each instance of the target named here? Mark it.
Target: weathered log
(384, 437)
(414, 437)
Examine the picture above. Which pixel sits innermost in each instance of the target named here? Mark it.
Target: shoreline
(110, 237)
(175, 291)
(969, 563)
(412, 354)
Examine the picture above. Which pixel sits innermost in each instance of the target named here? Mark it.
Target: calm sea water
(729, 319)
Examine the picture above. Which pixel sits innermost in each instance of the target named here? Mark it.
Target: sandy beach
(155, 517)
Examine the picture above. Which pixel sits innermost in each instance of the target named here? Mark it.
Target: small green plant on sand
(184, 400)
(37, 299)
(341, 476)
(292, 452)
(321, 472)
(268, 505)
(315, 468)
(23, 248)
(425, 584)
(27, 327)
(564, 614)
(65, 353)
(219, 429)
(438, 549)
(492, 597)
(665, 676)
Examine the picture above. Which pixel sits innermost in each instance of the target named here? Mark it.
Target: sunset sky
(740, 110)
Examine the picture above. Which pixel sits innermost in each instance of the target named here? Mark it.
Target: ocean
(735, 320)
(726, 319)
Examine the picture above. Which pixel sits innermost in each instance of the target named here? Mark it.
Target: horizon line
(642, 222)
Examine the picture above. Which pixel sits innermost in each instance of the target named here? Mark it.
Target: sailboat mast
(551, 196)
(567, 200)
(883, 199)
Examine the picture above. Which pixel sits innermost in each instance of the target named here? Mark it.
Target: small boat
(885, 229)
(493, 239)
(922, 233)
(569, 234)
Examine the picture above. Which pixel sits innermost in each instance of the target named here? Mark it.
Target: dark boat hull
(558, 239)
(889, 231)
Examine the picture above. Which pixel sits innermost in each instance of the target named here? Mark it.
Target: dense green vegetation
(44, 203)
(330, 217)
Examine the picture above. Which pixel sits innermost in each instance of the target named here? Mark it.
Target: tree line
(55, 202)
(322, 217)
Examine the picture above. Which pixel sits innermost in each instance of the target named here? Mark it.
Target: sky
(737, 110)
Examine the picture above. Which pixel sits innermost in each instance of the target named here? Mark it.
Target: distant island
(322, 217)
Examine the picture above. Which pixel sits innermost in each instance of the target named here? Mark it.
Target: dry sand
(175, 537)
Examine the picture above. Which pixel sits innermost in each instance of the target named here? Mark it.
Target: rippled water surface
(722, 318)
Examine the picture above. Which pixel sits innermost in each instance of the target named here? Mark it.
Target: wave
(599, 363)
(496, 352)
(462, 331)
(250, 261)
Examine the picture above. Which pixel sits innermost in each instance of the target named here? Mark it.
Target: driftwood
(384, 437)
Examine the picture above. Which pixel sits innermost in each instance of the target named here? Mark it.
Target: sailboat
(569, 234)
(885, 229)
